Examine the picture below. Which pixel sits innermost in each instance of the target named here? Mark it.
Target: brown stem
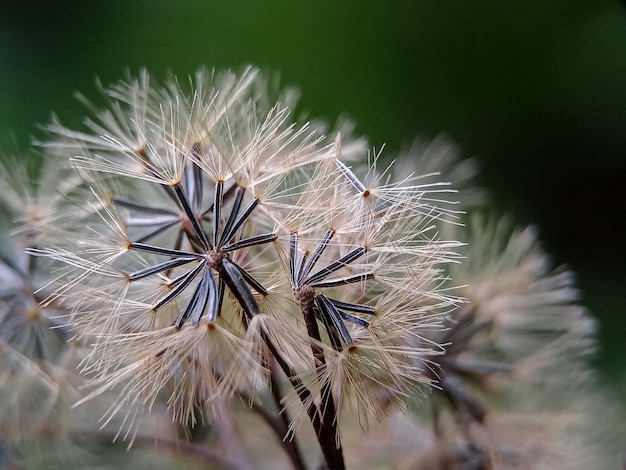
(328, 436)
(326, 428)
(326, 440)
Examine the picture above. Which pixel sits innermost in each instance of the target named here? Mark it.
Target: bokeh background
(534, 89)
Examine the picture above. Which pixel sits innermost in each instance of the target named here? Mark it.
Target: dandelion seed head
(220, 239)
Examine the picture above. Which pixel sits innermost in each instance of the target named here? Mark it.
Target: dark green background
(534, 88)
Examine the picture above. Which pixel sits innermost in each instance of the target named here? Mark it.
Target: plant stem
(325, 429)
(329, 439)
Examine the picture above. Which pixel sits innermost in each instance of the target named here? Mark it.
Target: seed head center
(304, 295)
(214, 258)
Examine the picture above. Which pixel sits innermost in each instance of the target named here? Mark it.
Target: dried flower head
(197, 252)
(519, 343)
(221, 242)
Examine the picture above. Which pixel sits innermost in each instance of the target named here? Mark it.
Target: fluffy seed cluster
(218, 238)
(196, 252)
(514, 388)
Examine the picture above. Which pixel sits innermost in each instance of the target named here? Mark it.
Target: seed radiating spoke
(299, 266)
(237, 284)
(252, 241)
(217, 211)
(181, 284)
(197, 178)
(227, 194)
(315, 256)
(163, 251)
(193, 179)
(233, 214)
(343, 280)
(352, 318)
(293, 247)
(205, 297)
(336, 265)
(159, 218)
(256, 285)
(192, 218)
(151, 221)
(214, 301)
(347, 172)
(333, 320)
(190, 184)
(164, 266)
(239, 221)
(358, 308)
(220, 296)
(197, 303)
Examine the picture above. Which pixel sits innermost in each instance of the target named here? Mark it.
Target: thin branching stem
(324, 430)
(329, 439)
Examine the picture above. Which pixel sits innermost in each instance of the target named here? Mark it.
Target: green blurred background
(535, 89)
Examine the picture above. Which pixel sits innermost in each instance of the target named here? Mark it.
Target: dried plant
(208, 264)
